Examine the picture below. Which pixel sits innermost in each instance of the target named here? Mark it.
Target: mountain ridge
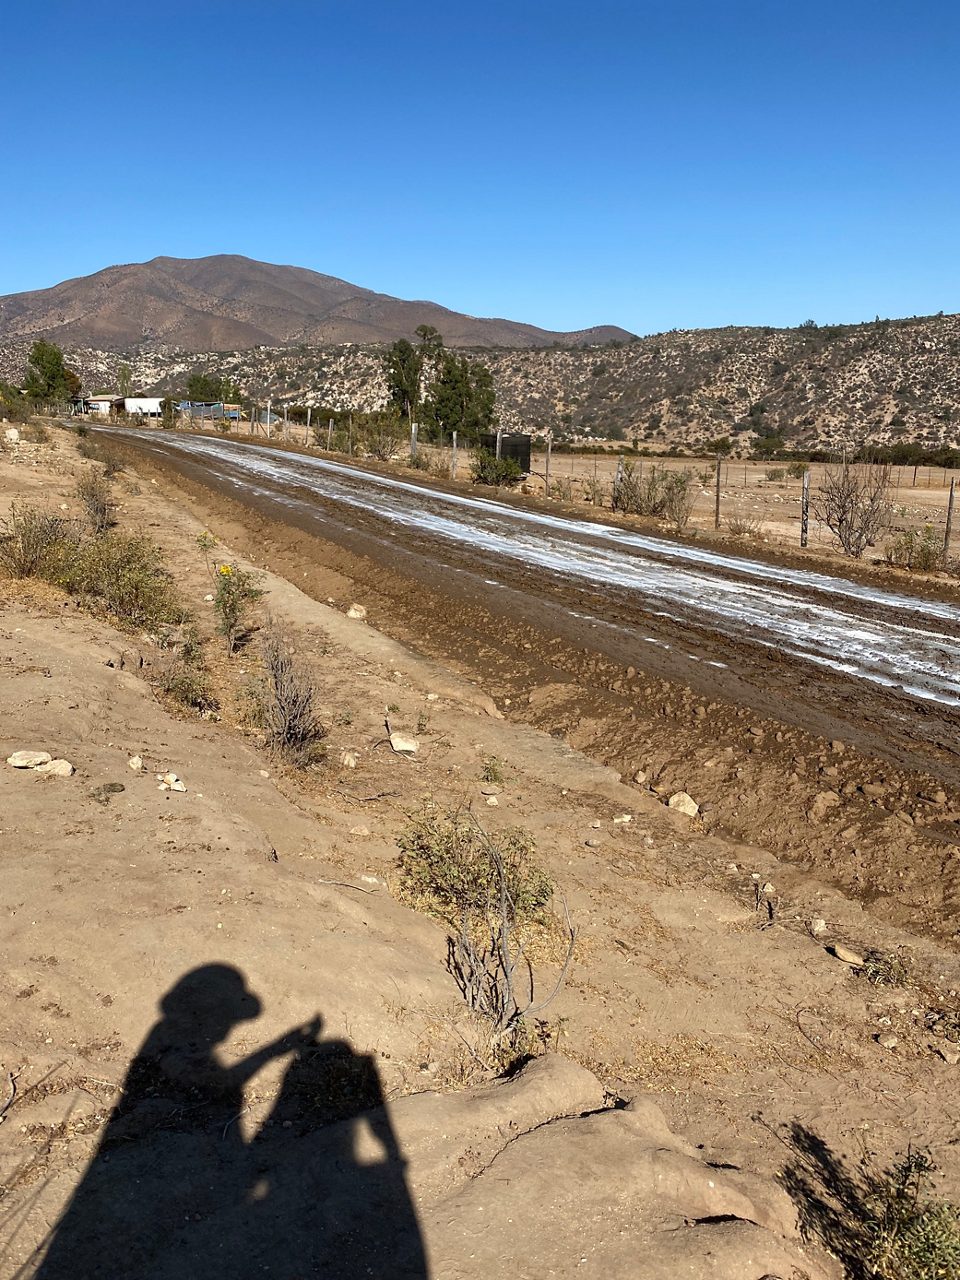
(228, 302)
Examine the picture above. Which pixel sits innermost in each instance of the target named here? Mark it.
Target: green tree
(47, 377)
(210, 388)
(431, 344)
(460, 398)
(124, 379)
(403, 365)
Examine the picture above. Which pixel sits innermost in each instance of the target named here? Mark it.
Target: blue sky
(653, 165)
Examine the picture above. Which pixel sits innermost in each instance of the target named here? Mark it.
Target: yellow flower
(226, 570)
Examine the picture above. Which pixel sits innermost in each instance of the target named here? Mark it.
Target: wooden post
(269, 423)
(949, 530)
(915, 465)
(350, 436)
(453, 458)
(499, 442)
(716, 506)
(413, 440)
(805, 509)
(546, 470)
(306, 438)
(330, 436)
(286, 429)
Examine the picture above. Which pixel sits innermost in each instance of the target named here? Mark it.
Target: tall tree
(403, 366)
(461, 397)
(46, 377)
(124, 379)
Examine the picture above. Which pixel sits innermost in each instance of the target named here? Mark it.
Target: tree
(854, 504)
(209, 388)
(47, 377)
(461, 398)
(721, 446)
(124, 379)
(431, 344)
(403, 365)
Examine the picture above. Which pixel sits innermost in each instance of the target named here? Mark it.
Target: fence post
(716, 508)
(269, 423)
(453, 458)
(950, 500)
(413, 440)
(805, 509)
(546, 469)
(330, 436)
(306, 438)
(499, 441)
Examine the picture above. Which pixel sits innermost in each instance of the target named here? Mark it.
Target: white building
(145, 406)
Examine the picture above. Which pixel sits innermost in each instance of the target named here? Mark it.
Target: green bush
(909, 1235)
(487, 468)
(124, 575)
(445, 860)
(917, 549)
(235, 591)
(187, 683)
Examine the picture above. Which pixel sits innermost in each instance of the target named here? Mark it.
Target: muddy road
(717, 674)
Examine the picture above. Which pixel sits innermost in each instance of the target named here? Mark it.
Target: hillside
(883, 382)
(227, 302)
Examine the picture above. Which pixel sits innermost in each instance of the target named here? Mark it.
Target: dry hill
(228, 302)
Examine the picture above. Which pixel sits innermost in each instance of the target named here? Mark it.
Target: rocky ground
(717, 1053)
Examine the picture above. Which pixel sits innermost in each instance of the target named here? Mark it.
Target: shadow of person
(343, 1204)
(173, 1190)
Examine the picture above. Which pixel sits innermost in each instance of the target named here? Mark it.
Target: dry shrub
(31, 541)
(286, 702)
(745, 526)
(93, 491)
(853, 502)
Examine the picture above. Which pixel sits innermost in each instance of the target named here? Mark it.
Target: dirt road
(808, 713)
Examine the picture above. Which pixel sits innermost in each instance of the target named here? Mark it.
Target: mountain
(231, 303)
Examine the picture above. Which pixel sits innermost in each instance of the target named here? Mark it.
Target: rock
(887, 1041)
(732, 869)
(623, 818)
(360, 831)
(404, 745)
(904, 817)
(57, 768)
(640, 777)
(492, 801)
(817, 926)
(593, 843)
(852, 958)
(356, 611)
(349, 759)
(209, 597)
(822, 804)
(756, 731)
(29, 759)
(433, 697)
(768, 888)
(490, 789)
(170, 782)
(596, 824)
(684, 803)
(135, 763)
(11, 435)
(850, 833)
(874, 789)
(837, 747)
(950, 1056)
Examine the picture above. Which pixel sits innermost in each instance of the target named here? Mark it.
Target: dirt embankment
(308, 1021)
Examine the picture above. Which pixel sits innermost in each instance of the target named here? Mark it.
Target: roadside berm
(232, 1045)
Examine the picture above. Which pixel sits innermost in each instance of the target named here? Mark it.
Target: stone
(768, 888)
(852, 958)
(103, 793)
(433, 697)
(622, 818)
(817, 926)
(209, 597)
(756, 731)
(349, 759)
(490, 789)
(593, 843)
(404, 745)
(360, 831)
(57, 768)
(950, 1056)
(874, 789)
(492, 801)
(135, 763)
(11, 435)
(29, 759)
(887, 1041)
(684, 803)
(356, 611)
(640, 777)
(904, 817)
(822, 804)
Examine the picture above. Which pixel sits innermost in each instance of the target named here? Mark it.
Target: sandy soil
(698, 986)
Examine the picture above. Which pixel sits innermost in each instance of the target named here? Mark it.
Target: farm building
(144, 406)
